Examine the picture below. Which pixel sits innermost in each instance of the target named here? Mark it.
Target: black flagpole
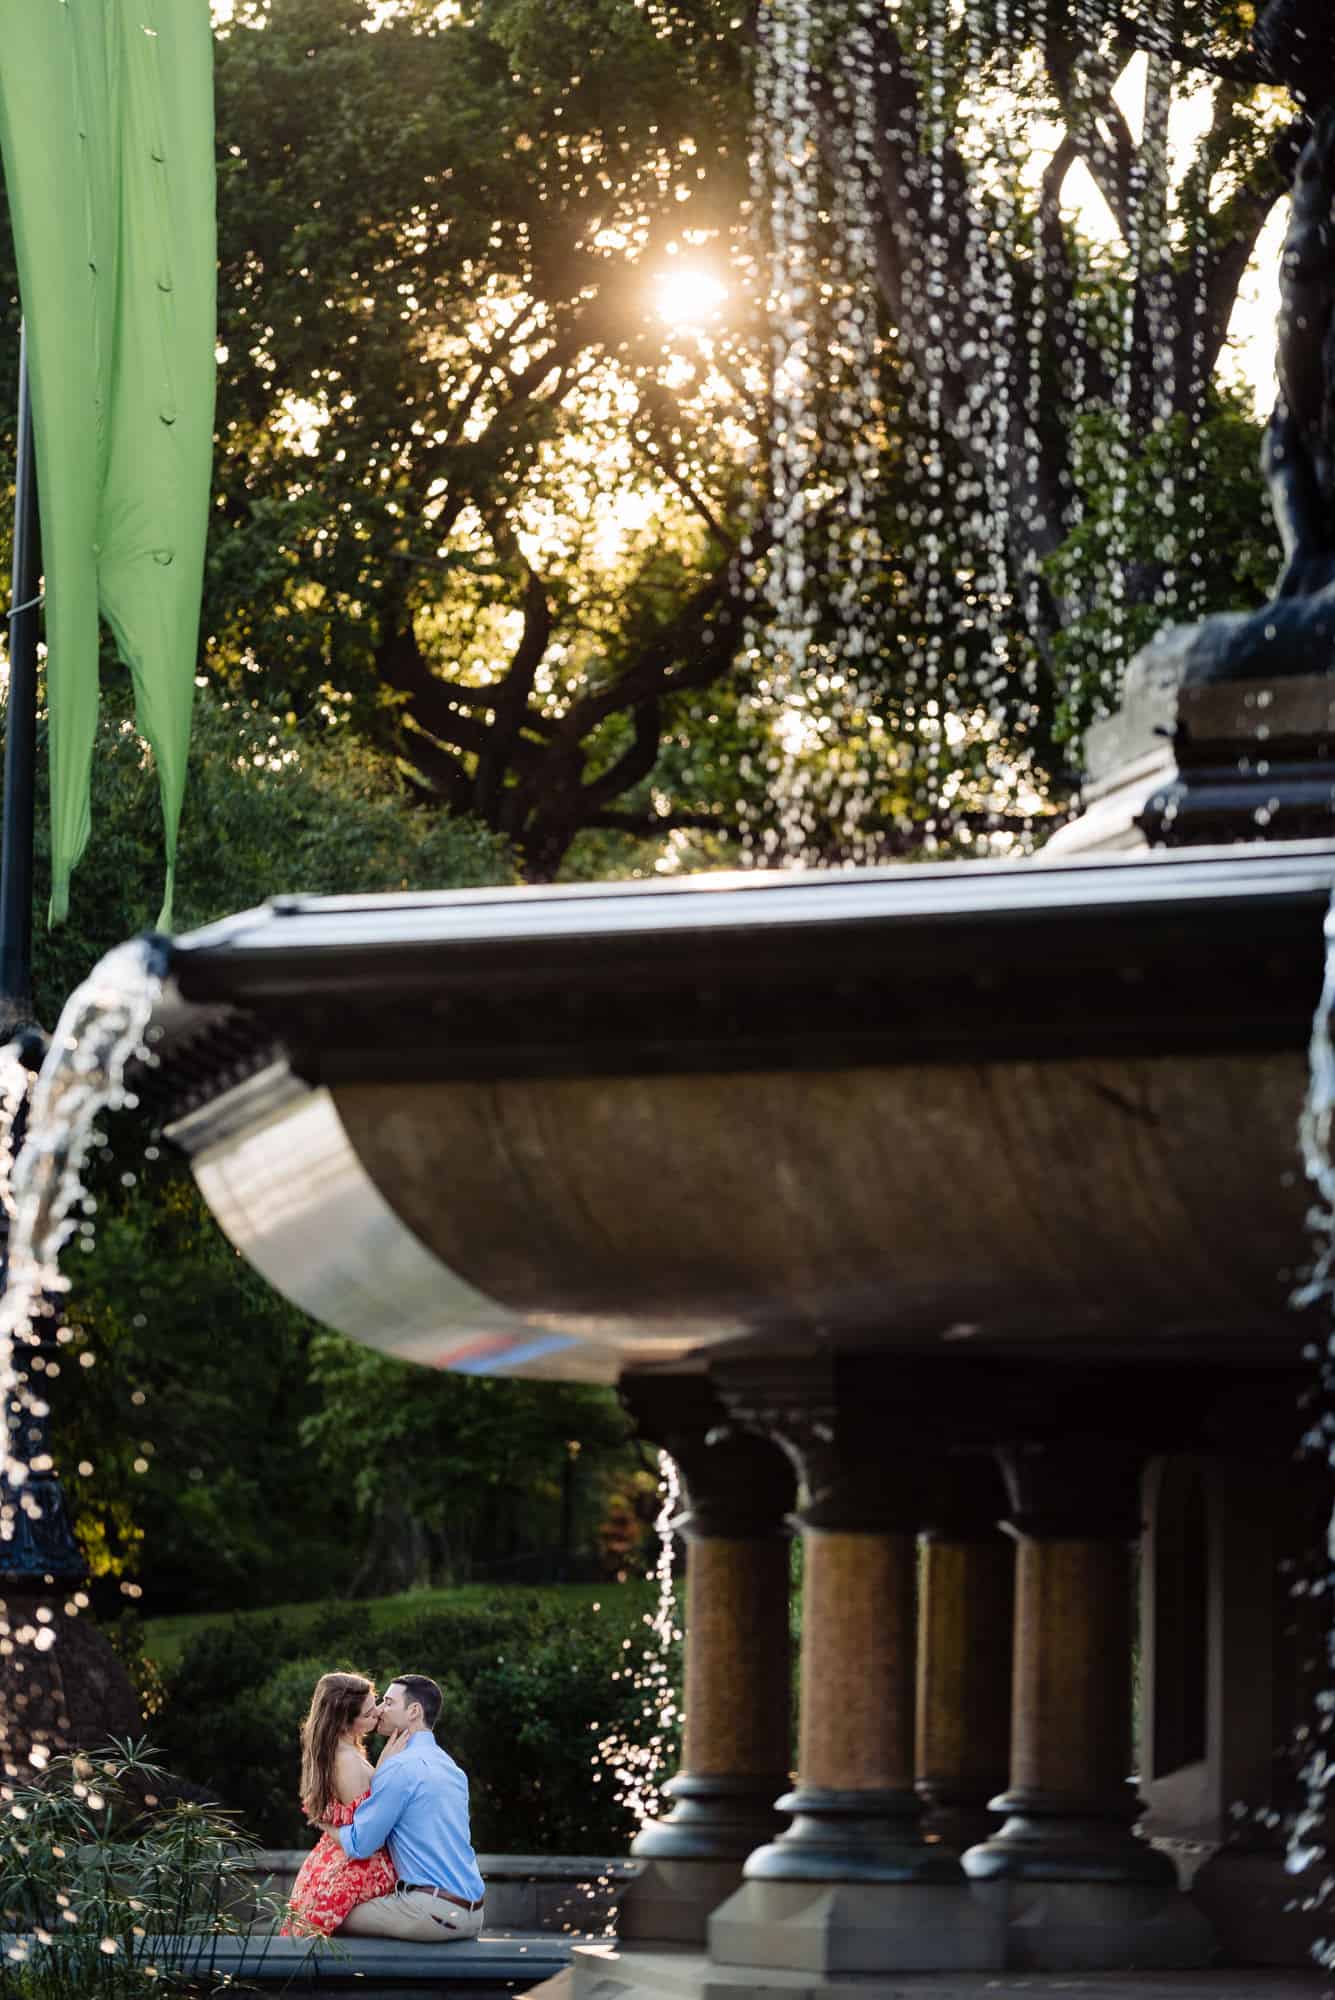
(16, 832)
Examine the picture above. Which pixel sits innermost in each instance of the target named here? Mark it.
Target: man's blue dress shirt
(418, 1808)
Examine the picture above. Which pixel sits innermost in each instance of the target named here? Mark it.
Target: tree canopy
(497, 476)
(467, 485)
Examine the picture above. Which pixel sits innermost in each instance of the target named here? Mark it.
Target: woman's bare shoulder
(352, 1773)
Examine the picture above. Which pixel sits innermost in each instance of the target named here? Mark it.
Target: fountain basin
(1035, 1108)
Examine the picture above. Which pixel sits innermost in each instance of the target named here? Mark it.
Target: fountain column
(965, 1614)
(1077, 1889)
(852, 1885)
(738, 1491)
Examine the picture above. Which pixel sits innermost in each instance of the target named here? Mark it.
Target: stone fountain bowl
(1041, 1107)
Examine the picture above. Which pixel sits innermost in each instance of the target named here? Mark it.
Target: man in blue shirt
(418, 1808)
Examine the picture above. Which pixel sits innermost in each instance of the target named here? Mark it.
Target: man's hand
(398, 1741)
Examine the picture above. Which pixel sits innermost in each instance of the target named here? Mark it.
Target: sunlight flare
(689, 296)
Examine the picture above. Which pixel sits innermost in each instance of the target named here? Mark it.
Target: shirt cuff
(343, 1834)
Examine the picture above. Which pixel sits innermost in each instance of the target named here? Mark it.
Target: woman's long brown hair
(335, 1706)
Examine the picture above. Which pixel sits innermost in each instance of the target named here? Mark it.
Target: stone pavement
(687, 1973)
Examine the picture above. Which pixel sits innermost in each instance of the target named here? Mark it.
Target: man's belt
(425, 1889)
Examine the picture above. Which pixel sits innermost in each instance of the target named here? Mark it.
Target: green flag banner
(106, 134)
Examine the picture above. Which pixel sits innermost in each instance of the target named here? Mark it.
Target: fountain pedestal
(1194, 762)
(737, 1696)
(1075, 1887)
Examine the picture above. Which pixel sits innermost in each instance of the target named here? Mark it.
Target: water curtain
(956, 363)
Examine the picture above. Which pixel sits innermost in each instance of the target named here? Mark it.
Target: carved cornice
(1081, 1489)
(861, 1468)
(736, 1483)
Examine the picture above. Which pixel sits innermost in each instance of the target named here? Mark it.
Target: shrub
(529, 1692)
(108, 1896)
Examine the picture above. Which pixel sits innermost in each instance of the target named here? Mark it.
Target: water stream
(638, 1758)
(100, 1032)
(1308, 1835)
(1002, 334)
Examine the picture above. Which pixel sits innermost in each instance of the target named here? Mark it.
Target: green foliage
(1191, 512)
(181, 1441)
(189, 1424)
(447, 396)
(463, 1460)
(270, 810)
(166, 1638)
(471, 485)
(201, 1450)
(529, 1693)
(111, 1896)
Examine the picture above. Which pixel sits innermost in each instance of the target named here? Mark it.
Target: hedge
(530, 1691)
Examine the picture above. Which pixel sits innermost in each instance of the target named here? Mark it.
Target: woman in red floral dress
(335, 1778)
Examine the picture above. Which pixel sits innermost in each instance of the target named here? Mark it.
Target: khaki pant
(409, 1914)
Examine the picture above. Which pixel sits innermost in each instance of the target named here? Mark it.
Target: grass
(165, 1639)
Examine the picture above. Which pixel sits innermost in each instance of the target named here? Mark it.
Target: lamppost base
(74, 1693)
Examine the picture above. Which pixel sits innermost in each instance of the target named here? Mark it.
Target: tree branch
(632, 767)
(647, 825)
(1157, 41)
(505, 743)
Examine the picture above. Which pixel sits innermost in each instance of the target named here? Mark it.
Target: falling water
(100, 1032)
(783, 170)
(991, 333)
(16, 1081)
(1306, 1844)
(637, 1758)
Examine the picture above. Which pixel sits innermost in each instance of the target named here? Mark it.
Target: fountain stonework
(945, 1216)
(1226, 728)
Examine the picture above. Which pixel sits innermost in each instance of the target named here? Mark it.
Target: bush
(529, 1692)
(107, 1893)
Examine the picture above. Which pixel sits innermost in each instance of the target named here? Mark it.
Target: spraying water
(639, 1758)
(1306, 1845)
(100, 1032)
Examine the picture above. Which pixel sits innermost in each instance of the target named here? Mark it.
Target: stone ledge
(372, 1967)
(557, 1893)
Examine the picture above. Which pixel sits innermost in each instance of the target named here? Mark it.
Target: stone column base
(1097, 1926)
(837, 1927)
(670, 1900)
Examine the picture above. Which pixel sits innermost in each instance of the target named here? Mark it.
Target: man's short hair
(417, 1687)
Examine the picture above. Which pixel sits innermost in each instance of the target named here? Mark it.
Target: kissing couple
(395, 1857)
